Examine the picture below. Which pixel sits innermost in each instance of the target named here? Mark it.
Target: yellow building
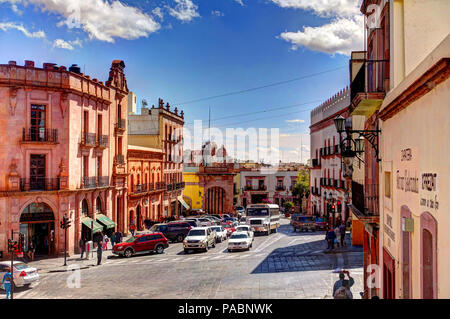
(414, 172)
(193, 193)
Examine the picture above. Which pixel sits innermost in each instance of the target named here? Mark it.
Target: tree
(288, 206)
(301, 187)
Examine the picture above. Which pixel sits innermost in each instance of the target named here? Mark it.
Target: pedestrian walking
(113, 239)
(331, 236)
(6, 283)
(99, 253)
(343, 292)
(82, 244)
(342, 232)
(338, 284)
(132, 229)
(119, 236)
(105, 242)
(338, 235)
(31, 250)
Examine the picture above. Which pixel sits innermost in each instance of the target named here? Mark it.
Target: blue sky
(183, 50)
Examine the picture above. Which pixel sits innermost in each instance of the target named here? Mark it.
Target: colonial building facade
(327, 182)
(145, 185)
(161, 128)
(62, 154)
(414, 170)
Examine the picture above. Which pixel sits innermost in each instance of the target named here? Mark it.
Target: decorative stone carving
(63, 103)
(12, 100)
(14, 178)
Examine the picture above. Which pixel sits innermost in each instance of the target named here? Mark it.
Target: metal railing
(89, 182)
(140, 188)
(102, 141)
(371, 78)
(121, 124)
(103, 181)
(120, 159)
(40, 135)
(280, 188)
(315, 162)
(39, 184)
(89, 139)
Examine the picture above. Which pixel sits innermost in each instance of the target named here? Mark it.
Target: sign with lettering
(407, 177)
(429, 191)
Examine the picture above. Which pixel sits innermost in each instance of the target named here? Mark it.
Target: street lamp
(349, 151)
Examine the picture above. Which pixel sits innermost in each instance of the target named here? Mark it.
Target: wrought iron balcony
(102, 181)
(365, 198)
(43, 135)
(140, 188)
(160, 185)
(280, 188)
(89, 182)
(315, 162)
(121, 124)
(102, 141)
(120, 159)
(88, 139)
(39, 184)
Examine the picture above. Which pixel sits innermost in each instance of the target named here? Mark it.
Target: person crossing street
(99, 253)
(6, 283)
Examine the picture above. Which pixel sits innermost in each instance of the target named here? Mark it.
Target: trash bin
(89, 248)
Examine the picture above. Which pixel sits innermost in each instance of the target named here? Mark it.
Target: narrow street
(283, 265)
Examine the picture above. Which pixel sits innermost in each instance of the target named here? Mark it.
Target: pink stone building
(63, 147)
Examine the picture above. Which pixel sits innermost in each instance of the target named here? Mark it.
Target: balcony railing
(89, 139)
(140, 188)
(121, 124)
(89, 182)
(120, 159)
(315, 162)
(103, 181)
(44, 135)
(336, 183)
(371, 78)
(280, 188)
(39, 184)
(102, 141)
(365, 198)
(160, 186)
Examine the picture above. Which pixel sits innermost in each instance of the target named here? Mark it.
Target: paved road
(283, 265)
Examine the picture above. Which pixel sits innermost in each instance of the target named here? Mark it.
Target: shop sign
(407, 225)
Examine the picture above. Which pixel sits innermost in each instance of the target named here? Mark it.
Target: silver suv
(199, 238)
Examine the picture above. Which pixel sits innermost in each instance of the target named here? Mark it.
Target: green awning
(104, 220)
(86, 221)
(183, 203)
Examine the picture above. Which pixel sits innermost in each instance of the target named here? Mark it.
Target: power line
(260, 87)
(263, 111)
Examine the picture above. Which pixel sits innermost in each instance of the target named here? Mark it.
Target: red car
(142, 244)
(229, 228)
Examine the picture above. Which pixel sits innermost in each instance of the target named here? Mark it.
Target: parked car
(229, 219)
(200, 221)
(214, 220)
(221, 233)
(142, 244)
(199, 238)
(320, 223)
(229, 228)
(303, 222)
(173, 231)
(246, 228)
(239, 241)
(191, 222)
(24, 275)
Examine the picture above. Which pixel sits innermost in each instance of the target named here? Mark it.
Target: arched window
(84, 208)
(98, 206)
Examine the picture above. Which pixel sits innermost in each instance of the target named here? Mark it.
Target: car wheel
(159, 249)
(180, 238)
(230, 250)
(128, 253)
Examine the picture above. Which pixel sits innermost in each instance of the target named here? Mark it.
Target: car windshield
(217, 229)
(130, 240)
(242, 228)
(21, 266)
(257, 212)
(305, 219)
(238, 236)
(197, 232)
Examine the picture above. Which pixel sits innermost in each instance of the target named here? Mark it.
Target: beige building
(414, 172)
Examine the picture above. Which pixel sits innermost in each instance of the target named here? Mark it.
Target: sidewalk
(347, 248)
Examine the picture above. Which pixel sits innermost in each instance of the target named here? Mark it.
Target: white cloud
(217, 13)
(68, 45)
(240, 2)
(295, 121)
(11, 25)
(102, 19)
(185, 10)
(343, 34)
(324, 8)
(158, 12)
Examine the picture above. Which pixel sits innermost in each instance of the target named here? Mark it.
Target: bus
(263, 217)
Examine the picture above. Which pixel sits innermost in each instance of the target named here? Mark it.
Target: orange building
(145, 185)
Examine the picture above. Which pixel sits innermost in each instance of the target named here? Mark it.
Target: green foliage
(288, 205)
(301, 187)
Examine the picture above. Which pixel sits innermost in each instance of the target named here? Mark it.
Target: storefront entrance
(37, 224)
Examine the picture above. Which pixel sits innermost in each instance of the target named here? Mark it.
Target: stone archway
(37, 224)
